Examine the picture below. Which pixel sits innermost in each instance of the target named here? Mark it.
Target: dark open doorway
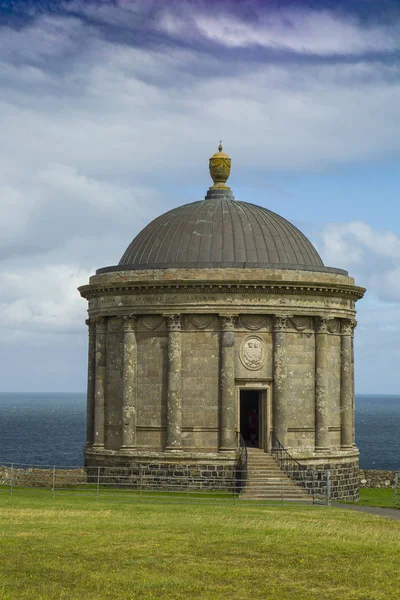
(250, 417)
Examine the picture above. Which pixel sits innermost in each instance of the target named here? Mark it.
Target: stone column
(129, 377)
(281, 384)
(346, 384)
(354, 325)
(174, 400)
(321, 384)
(91, 381)
(100, 381)
(227, 383)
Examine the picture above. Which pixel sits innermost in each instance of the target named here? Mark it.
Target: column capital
(347, 326)
(228, 322)
(174, 322)
(90, 321)
(101, 324)
(280, 322)
(321, 324)
(128, 323)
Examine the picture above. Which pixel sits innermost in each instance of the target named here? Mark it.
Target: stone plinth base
(166, 471)
(344, 482)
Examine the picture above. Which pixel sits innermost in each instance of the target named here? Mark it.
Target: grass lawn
(378, 497)
(76, 548)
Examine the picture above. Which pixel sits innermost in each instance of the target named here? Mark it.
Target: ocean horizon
(48, 428)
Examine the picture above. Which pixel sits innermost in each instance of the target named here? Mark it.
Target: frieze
(334, 326)
(301, 323)
(201, 321)
(152, 321)
(286, 289)
(234, 300)
(254, 322)
(252, 353)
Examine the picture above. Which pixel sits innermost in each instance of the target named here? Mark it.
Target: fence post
(11, 479)
(98, 483)
(54, 482)
(396, 486)
(140, 482)
(328, 487)
(313, 485)
(187, 485)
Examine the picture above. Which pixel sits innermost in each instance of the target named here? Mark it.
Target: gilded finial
(220, 168)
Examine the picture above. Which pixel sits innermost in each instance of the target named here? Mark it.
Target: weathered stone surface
(202, 335)
(174, 398)
(374, 479)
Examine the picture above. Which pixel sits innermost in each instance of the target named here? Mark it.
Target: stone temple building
(221, 323)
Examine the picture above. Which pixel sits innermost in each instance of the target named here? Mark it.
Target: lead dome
(220, 232)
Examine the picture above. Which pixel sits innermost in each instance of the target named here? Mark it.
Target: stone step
(277, 484)
(273, 494)
(267, 481)
(278, 498)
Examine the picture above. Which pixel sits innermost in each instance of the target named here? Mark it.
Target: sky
(110, 110)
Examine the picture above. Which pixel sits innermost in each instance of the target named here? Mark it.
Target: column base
(347, 447)
(321, 448)
(173, 449)
(98, 446)
(123, 447)
(227, 449)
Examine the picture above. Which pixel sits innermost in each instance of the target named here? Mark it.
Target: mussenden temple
(221, 327)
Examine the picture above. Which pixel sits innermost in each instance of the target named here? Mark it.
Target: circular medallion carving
(252, 353)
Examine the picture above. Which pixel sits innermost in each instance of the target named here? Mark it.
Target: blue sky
(110, 110)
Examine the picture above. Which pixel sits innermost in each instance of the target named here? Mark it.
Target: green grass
(382, 497)
(73, 547)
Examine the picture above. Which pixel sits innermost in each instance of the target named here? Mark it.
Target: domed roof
(220, 232)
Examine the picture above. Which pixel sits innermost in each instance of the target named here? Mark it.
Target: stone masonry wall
(301, 376)
(151, 388)
(344, 479)
(377, 479)
(114, 384)
(334, 359)
(200, 387)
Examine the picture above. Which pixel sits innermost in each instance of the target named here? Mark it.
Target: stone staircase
(267, 481)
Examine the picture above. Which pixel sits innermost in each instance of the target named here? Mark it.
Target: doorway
(250, 417)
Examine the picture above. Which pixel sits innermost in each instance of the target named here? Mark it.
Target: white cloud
(373, 257)
(42, 299)
(100, 136)
(299, 30)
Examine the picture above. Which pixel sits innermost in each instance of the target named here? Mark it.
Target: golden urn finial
(220, 167)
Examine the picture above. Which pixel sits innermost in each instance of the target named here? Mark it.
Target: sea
(49, 429)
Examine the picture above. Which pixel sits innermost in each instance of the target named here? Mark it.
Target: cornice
(271, 287)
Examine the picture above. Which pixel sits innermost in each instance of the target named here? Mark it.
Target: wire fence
(129, 484)
(137, 485)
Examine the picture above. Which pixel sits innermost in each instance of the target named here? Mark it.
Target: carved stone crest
(252, 353)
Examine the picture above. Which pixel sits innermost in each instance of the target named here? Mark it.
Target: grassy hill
(77, 548)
